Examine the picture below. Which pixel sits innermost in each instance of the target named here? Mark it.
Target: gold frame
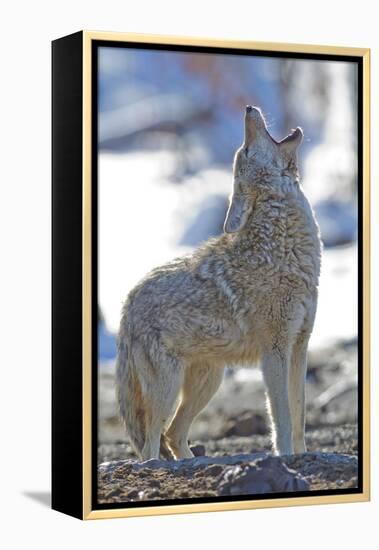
(364, 53)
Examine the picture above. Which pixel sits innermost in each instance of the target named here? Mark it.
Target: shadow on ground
(42, 497)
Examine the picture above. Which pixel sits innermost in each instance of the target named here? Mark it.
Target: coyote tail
(129, 396)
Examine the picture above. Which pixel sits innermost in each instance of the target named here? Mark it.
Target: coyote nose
(249, 108)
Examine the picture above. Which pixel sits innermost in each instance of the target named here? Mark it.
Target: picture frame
(75, 257)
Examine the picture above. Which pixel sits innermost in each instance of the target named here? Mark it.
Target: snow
(337, 312)
(136, 207)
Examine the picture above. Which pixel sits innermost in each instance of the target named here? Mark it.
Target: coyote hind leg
(162, 390)
(200, 383)
(148, 389)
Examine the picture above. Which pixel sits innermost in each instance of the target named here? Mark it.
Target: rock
(268, 475)
(245, 424)
(198, 450)
(214, 470)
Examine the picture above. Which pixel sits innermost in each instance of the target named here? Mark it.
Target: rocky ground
(232, 466)
(232, 442)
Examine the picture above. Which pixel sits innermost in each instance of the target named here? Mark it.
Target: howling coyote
(249, 295)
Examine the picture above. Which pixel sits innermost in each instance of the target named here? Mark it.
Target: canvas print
(228, 350)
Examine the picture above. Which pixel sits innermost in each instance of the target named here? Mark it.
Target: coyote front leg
(297, 375)
(275, 367)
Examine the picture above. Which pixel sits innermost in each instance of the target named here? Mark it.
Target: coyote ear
(290, 143)
(238, 213)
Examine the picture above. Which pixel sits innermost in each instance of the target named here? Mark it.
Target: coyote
(249, 295)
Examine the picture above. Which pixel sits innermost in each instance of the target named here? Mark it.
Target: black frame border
(67, 253)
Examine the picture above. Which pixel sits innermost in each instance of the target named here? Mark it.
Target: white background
(27, 29)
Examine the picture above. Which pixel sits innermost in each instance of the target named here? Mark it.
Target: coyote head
(261, 165)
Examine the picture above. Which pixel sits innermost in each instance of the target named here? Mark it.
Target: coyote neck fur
(281, 233)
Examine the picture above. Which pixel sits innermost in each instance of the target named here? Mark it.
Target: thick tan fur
(249, 295)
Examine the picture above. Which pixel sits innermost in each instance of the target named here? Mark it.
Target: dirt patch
(245, 469)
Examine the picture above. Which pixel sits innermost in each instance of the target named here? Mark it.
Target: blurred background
(169, 124)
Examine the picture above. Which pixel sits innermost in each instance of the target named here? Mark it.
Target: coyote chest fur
(249, 295)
